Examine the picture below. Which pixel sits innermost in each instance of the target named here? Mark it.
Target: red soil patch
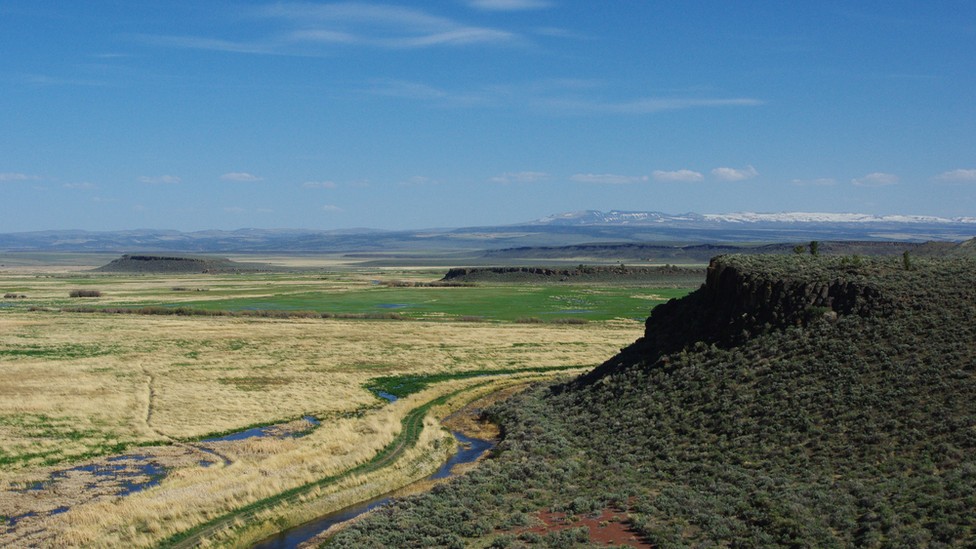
(609, 528)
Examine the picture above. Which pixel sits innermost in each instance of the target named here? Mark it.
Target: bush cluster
(189, 311)
(85, 293)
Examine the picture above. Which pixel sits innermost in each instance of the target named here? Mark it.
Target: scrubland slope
(791, 401)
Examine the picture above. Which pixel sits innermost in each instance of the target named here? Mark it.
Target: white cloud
(320, 185)
(310, 27)
(331, 208)
(406, 89)
(45, 80)
(10, 176)
(958, 175)
(240, 176)
(607, 178)
(160, 179)
(423, 92)
(818, 182)
(876, 179)
(375, 15)
(565, 96)
(418, 180)
(644, 106)
(508, 5)
(85, 186)
(556, 32)
(520, 177)
(213, 44)
(733, 174)
(685, 176)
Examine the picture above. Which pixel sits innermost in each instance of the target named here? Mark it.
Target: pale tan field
(79, 388)
(95, 373)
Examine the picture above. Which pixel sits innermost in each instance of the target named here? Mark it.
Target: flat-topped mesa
(463, 272)
(744, 296)
(157, 263)
(160, 258)
(581, 273)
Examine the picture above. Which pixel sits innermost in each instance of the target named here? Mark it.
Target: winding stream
(470, 450)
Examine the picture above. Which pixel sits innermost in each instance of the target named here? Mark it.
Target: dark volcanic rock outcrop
(153, 263)
(583, 273)
(744, 296)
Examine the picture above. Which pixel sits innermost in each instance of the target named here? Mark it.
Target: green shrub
(85, 293)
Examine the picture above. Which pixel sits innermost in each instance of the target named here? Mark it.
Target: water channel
(470, 450)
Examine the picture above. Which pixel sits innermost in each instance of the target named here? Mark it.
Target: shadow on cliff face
(736, 304)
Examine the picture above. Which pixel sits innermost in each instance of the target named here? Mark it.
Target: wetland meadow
(179, 409)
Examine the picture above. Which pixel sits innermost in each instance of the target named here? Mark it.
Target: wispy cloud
(14, 176)
(681, 176)
(320, 185)
(331, 208)
(647, 105)
(406, 89)
(47, 80)
(418, 180)
(562, 96)
(509, 5)
(305, 28)
(243, 177)
(957, 175)
(160, 179)
(818, 182)
(876, 179)
(84, 186)
(215, 44)
(520, 177)
(735, 174)
(607, 178)
(112, 55)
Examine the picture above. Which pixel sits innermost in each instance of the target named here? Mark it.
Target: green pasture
(496, 303)
(355, 293)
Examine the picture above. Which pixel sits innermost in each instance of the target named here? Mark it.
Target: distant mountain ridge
(618, 217)
(563, 229)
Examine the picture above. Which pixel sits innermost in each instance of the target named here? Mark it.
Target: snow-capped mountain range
(616, 217)
(564, 229)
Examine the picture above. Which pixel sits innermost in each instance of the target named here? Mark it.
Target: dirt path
(150, 408)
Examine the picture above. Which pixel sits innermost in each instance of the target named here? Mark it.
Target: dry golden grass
(211, 375)
(193, 495)
(74, 385)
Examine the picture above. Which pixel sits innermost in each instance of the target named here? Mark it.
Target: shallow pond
(126, 474)
(266, 431)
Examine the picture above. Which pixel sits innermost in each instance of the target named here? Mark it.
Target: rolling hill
(791, 401)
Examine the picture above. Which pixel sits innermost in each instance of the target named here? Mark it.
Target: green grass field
(502, 303)
(347, 293)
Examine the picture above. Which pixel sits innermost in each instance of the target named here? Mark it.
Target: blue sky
(229, 114)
